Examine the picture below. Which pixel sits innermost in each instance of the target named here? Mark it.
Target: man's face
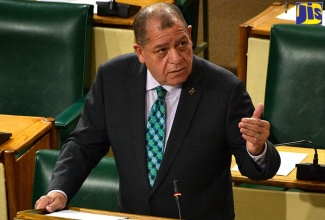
(168, 54)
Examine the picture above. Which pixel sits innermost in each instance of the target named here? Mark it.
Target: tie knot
(161, 92)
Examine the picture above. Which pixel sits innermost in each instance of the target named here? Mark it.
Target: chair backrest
(45, 56)
(99, 191)
(295, 85)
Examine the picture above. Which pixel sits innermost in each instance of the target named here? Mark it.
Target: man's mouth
(177, 71)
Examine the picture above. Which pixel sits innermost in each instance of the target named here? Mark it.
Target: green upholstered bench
(295, 91)
(99, 191)
(45, 60)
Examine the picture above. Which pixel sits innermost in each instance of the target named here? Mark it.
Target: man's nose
(174, 56)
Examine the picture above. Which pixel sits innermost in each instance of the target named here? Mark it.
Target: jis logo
(309, 12)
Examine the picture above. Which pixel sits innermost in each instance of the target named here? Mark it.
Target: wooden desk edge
(248, 29)
(253, 22)
(106, 20)
(49, 127)
(319, 186)
(303, 185)
(39, 214)
(265, 15)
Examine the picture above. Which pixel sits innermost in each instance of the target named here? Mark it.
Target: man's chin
(175, 82)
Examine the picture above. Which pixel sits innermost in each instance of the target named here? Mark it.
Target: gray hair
(163, 12)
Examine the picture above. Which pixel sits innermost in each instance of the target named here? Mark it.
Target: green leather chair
(45, 60)
(295, 85)
(99, 191)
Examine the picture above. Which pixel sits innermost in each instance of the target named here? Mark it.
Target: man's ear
(189, 31)
(139, 50)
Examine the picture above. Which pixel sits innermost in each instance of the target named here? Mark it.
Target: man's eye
(182, 44)
(161, 50)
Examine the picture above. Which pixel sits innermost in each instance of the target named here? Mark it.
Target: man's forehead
(161, 24)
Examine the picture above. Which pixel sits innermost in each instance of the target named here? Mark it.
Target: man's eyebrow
(180, 39)
(161, 45)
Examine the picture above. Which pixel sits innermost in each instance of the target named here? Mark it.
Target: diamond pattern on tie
(155, 136)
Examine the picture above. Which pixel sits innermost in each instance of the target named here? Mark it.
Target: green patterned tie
(155, 137)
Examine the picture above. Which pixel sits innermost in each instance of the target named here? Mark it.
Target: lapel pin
(191, 91)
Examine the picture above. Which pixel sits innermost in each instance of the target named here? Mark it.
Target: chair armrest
(71, 114)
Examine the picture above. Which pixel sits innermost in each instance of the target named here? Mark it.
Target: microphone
(308, 171)
(177, 196)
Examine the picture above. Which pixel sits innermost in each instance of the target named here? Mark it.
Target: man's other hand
(51, 202)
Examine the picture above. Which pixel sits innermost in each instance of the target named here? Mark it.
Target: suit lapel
(137, 85)
(189, 99)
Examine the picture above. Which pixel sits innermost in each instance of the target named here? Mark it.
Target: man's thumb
(258, 111)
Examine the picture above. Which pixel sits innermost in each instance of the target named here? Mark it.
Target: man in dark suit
(209, 117)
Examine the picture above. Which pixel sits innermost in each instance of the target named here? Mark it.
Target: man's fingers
(258, 111)
(42, 202)
(51, 202)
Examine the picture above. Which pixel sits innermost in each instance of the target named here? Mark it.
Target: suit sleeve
(240, 106)
(87, 144)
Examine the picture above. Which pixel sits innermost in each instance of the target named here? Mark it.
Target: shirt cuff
(59, 191)
(259, 159)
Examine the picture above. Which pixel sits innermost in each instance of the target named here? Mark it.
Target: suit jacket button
(152, 201)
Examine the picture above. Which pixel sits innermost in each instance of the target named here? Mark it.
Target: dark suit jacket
(203, 137)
